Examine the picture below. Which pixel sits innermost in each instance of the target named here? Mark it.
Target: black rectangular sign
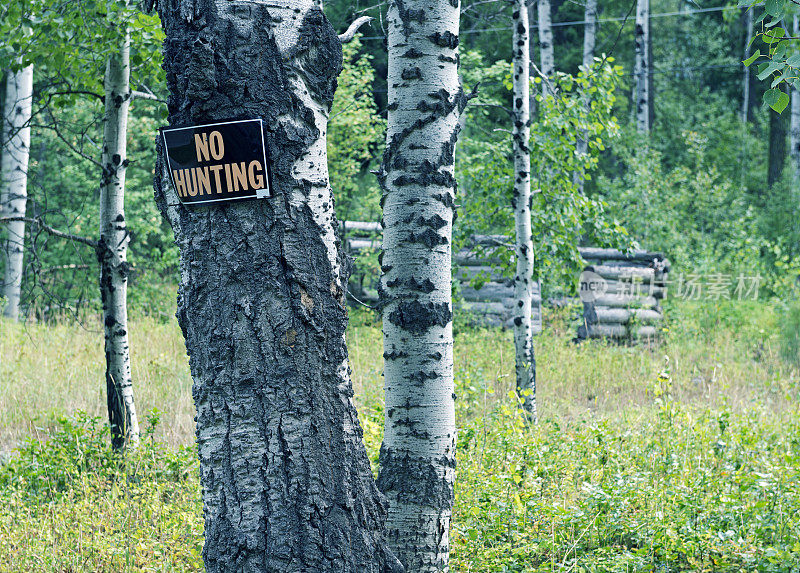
(218, 162)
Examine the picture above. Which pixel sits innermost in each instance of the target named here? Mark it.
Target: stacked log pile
(621, 294)
(491, 304)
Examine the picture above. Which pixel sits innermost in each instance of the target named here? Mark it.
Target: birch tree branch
(50, 230)
(351, 31)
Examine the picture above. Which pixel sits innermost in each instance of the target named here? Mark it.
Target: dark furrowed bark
(286, 479)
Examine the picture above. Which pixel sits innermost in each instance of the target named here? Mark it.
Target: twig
(361, 302)
(51, 230)
(145, 95)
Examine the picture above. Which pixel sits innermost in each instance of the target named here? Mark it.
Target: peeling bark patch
(417, 317)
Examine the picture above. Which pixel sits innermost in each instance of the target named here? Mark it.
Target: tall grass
(679, 457)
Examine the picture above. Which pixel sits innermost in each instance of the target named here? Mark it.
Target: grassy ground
(683, 457)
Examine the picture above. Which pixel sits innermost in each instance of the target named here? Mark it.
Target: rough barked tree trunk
(112, 250)
(641, 68)
(14, 192)
(286, 480)
(794, 131)
(589, 41)
(521, 203)
(547, 59)
(418, 453)
(748, 23)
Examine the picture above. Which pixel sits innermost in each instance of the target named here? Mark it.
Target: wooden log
(616, 331)
(645, 274)
(604, 315)
(625, 301)
(624, 288)
(615, 254)
(366, 226)
(355, 245)
(492, 291)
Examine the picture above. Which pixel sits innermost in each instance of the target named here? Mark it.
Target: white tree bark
(286, 480)
(641, 68)
(418, 452)
(589, 41)
(748, 22)
(14, 193)
(547, 59)
(794, 132)
(112, 250)
(589, 32)
(521, 203)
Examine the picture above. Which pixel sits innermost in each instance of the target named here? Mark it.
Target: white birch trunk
(589, 32)
(794, 132)
(112, 250)
(14, 194)
(418, 452)
(589, 41)
(748, 19)
(521, 203)
(641, 69)
(547, 59)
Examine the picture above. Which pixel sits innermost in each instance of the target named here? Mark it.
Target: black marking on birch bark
(413, 53)
(418, 318)
(426, 487)
(428, 237)
(395, 354)
(445, 39)
(445, 199)
(411, 74)
(425, 286)
(407, 16)
(448, 59)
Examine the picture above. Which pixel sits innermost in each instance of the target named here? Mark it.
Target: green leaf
(768, 69)
(773, 36)
(754, 57)
(776, 99)
(794, 61)
(775, 7)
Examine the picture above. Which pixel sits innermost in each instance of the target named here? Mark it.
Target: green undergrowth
(679, 457)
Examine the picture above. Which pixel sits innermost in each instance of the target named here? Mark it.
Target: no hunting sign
(218, 162)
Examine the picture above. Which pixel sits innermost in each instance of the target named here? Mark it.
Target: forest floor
(680, 457)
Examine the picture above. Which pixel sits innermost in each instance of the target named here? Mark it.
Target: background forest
(680, 456)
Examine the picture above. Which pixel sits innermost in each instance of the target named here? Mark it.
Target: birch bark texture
(286, 480)
(14, 193)
(112, 249)
(589, 42)
(748, 24)
(641, 66)
(794, 128)
(417, 458)
(546, 55)
(521, 203)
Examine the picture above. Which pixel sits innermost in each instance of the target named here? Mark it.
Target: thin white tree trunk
(589, 41)
(748, 22)
(794, 133)
(286, 480)
(547, 59)
(112, 250)
(521, 203)
(14, 194)
(589, 32)
(418, 453)
(641, 69)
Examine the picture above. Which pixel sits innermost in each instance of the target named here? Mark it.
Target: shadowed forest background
(680, 455)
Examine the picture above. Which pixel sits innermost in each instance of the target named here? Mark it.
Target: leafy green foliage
(562, 216)
(780, 59)
(68, 502)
